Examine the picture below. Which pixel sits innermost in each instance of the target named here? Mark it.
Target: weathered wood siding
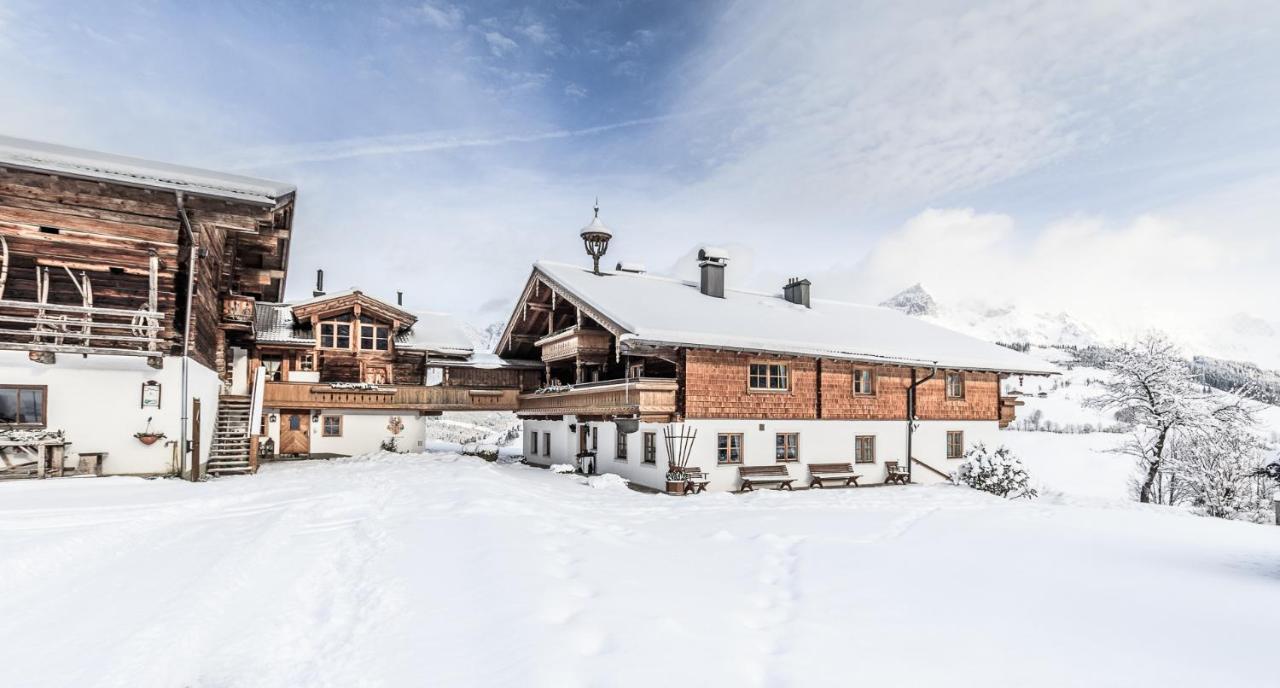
(109, 231)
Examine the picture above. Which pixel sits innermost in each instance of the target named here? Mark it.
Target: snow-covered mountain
(1239, 337)
(486, 338)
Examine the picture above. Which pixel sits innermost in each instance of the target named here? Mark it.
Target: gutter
(911, 411)
(184, 444)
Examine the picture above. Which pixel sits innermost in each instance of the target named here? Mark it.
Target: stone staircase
(229, 452)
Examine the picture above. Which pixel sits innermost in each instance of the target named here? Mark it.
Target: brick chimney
(797, 291)
(712, 261)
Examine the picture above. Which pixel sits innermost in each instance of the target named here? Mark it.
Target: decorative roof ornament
(595, 238)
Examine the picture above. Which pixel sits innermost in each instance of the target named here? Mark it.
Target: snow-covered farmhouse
(112, 269)
(640, 370)
(346, 373)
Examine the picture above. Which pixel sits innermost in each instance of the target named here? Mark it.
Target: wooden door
(295, 432)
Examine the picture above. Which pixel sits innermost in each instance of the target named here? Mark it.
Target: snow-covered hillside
(1236, 336)
(443, 570)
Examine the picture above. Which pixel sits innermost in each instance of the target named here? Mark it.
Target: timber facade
(635, 366)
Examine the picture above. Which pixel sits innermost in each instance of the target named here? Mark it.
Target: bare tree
(1152, 386)
(1216, 469)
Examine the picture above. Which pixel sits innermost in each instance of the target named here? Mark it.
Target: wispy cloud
(400, 144)
(440, 15)
(499, 44)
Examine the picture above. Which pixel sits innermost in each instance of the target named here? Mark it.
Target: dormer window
(374, 337)
(336, 333)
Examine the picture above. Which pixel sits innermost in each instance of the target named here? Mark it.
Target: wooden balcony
(237, 310)
(53, 328)
(575, 343)
(652, 399)
(421, 398)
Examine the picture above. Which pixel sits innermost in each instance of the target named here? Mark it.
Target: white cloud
(575, 91)
(442, 16)
(499, 44)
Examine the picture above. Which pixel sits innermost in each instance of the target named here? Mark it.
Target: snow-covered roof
(486, 360)
(77, 162)
(659, 310)
(439, 332)
(273, 323)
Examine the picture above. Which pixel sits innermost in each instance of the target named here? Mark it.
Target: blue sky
(1090, 153)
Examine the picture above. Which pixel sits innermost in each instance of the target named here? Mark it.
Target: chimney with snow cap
(712, 261)
(319, 284)
(637, 268)
(797, 291)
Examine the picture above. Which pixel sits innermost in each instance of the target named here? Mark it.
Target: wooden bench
(764, 475)
(695, 480)
(832, 471)
(896, 474)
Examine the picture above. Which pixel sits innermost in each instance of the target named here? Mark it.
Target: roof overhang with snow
(650, 311)
(107, 167)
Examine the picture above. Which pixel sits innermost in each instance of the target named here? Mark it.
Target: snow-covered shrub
(391, 444)
(999, 472)
(563, 468)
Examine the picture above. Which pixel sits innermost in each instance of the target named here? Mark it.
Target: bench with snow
(832, 471)
(764, 475)
(695, 480)
(896, 474)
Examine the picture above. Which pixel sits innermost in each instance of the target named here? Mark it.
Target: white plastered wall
(362, 431)
(97, 401)
(821, 441)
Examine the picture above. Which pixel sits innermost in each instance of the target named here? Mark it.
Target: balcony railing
(652, 399)
(30, 326)
(574, 342)
(310, 395)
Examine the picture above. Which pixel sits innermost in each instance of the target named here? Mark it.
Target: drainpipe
(183, 443)
(911, 410)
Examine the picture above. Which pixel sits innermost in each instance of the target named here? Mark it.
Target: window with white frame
(955, 385)
(768, 377)
(864, 381)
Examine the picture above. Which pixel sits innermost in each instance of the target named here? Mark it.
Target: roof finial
(597, 207)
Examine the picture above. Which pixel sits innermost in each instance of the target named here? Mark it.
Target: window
(262, 426)
(332, 426)
(335, 335)
(620, 450)
(788, 446)
(307, 361)
(23, 405)
(595, 439)
(650, 447)
(295, 421)
(533, 444)
(864, 449)
(768, 377)
(373, 337)
(955, 386)
(864, 381)
(729, 448)
(955, 444)
(546, 444)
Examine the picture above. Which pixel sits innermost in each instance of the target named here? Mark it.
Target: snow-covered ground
(447, 570)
